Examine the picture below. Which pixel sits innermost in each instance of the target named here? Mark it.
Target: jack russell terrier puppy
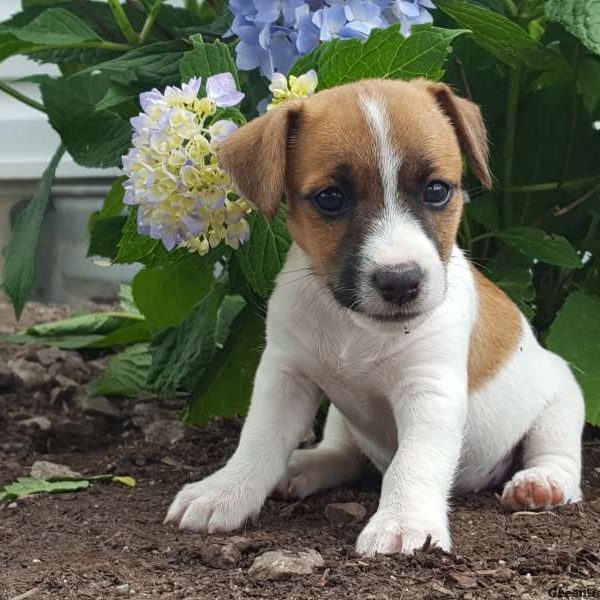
(432, 372)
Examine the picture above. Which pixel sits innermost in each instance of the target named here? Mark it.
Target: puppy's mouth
(351, 300)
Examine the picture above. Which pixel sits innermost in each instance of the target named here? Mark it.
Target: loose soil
(109, 541)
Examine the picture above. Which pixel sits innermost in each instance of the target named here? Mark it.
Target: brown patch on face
(496, 334)
(332, 147)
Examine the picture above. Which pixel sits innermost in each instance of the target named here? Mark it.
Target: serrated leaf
(537, 244)
(134, 247)
(499, 35)
(226, 387)
(152, 65)
(94, 138)
(125, 375)
(19, 266)
(580, 18)
(181, 354)
(386, 54)
(574, 335)
(206, 60)
(165, 294)
(56, 26)
(262, 257)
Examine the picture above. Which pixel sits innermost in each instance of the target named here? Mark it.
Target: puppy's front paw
(220, 502)
(387, 534)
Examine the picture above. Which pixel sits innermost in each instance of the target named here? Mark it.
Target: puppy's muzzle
(398, 284)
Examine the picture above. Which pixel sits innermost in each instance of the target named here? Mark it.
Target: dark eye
(437, 194)
(330, 201)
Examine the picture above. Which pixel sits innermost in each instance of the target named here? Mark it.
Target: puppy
(432, 372)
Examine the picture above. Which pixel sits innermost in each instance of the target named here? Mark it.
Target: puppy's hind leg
(336, 460)
(551, 454)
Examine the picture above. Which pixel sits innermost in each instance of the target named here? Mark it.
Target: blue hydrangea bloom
(274, 33)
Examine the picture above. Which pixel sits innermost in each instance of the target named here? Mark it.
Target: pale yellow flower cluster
(184, 198)
(296, 87)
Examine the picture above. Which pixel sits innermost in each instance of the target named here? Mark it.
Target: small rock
(340, 513)
(463, 580)
(220, 557)
(147, 412)
(164, 432)
(31, 374)
(283, 564)
(122, 588)
(98, 405)
(49, 356)
(8, 380)
(41, 423)
(43, 469)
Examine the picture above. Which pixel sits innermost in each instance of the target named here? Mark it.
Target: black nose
(398, 284)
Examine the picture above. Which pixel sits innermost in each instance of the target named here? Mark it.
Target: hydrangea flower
(274, 33)
(297, 87)
(183, 196)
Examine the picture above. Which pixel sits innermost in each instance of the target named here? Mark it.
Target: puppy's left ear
(467, 121)
(256, 156)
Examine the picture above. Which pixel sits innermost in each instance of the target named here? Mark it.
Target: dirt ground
(109, 541)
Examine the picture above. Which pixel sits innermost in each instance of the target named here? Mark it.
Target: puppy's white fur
(399, 396)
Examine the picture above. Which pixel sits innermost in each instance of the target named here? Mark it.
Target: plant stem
(123, 22)
(572, 130)
(150, 19)
(567, 209)
(21, 97)
(512, 107)
(548, 187)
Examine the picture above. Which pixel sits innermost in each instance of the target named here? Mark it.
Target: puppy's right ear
(256, 156)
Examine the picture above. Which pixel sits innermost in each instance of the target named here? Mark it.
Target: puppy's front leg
(283, 406)
(430, 413)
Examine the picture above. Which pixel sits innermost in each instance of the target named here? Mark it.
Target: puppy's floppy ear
(467, 121)
(256, 155)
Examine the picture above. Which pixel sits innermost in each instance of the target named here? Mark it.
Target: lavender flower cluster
(274, 33)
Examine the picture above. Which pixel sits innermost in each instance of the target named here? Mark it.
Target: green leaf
(500, 36)
(56, 26)
(93, 138)
(588, 78)
(126, 374)
(513, 272)
(95, 323)
(134, 247)
(106, 235)
(152, 65)
(113, 203)
(579, 17)
(67, 342)
(180, 355)
(165, 294)
(206, 60)
(386, 53)
(135, 333)
(19, 266)
(28, 486)
(537, 244)
(226, 387)
(574, 335)
(262, 257)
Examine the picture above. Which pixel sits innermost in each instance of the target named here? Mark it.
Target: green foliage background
(195, 325)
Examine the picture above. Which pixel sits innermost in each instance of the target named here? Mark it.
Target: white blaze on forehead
(388, 159)
(396, 236)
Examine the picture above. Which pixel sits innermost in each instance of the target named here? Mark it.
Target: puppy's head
(372, 175)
